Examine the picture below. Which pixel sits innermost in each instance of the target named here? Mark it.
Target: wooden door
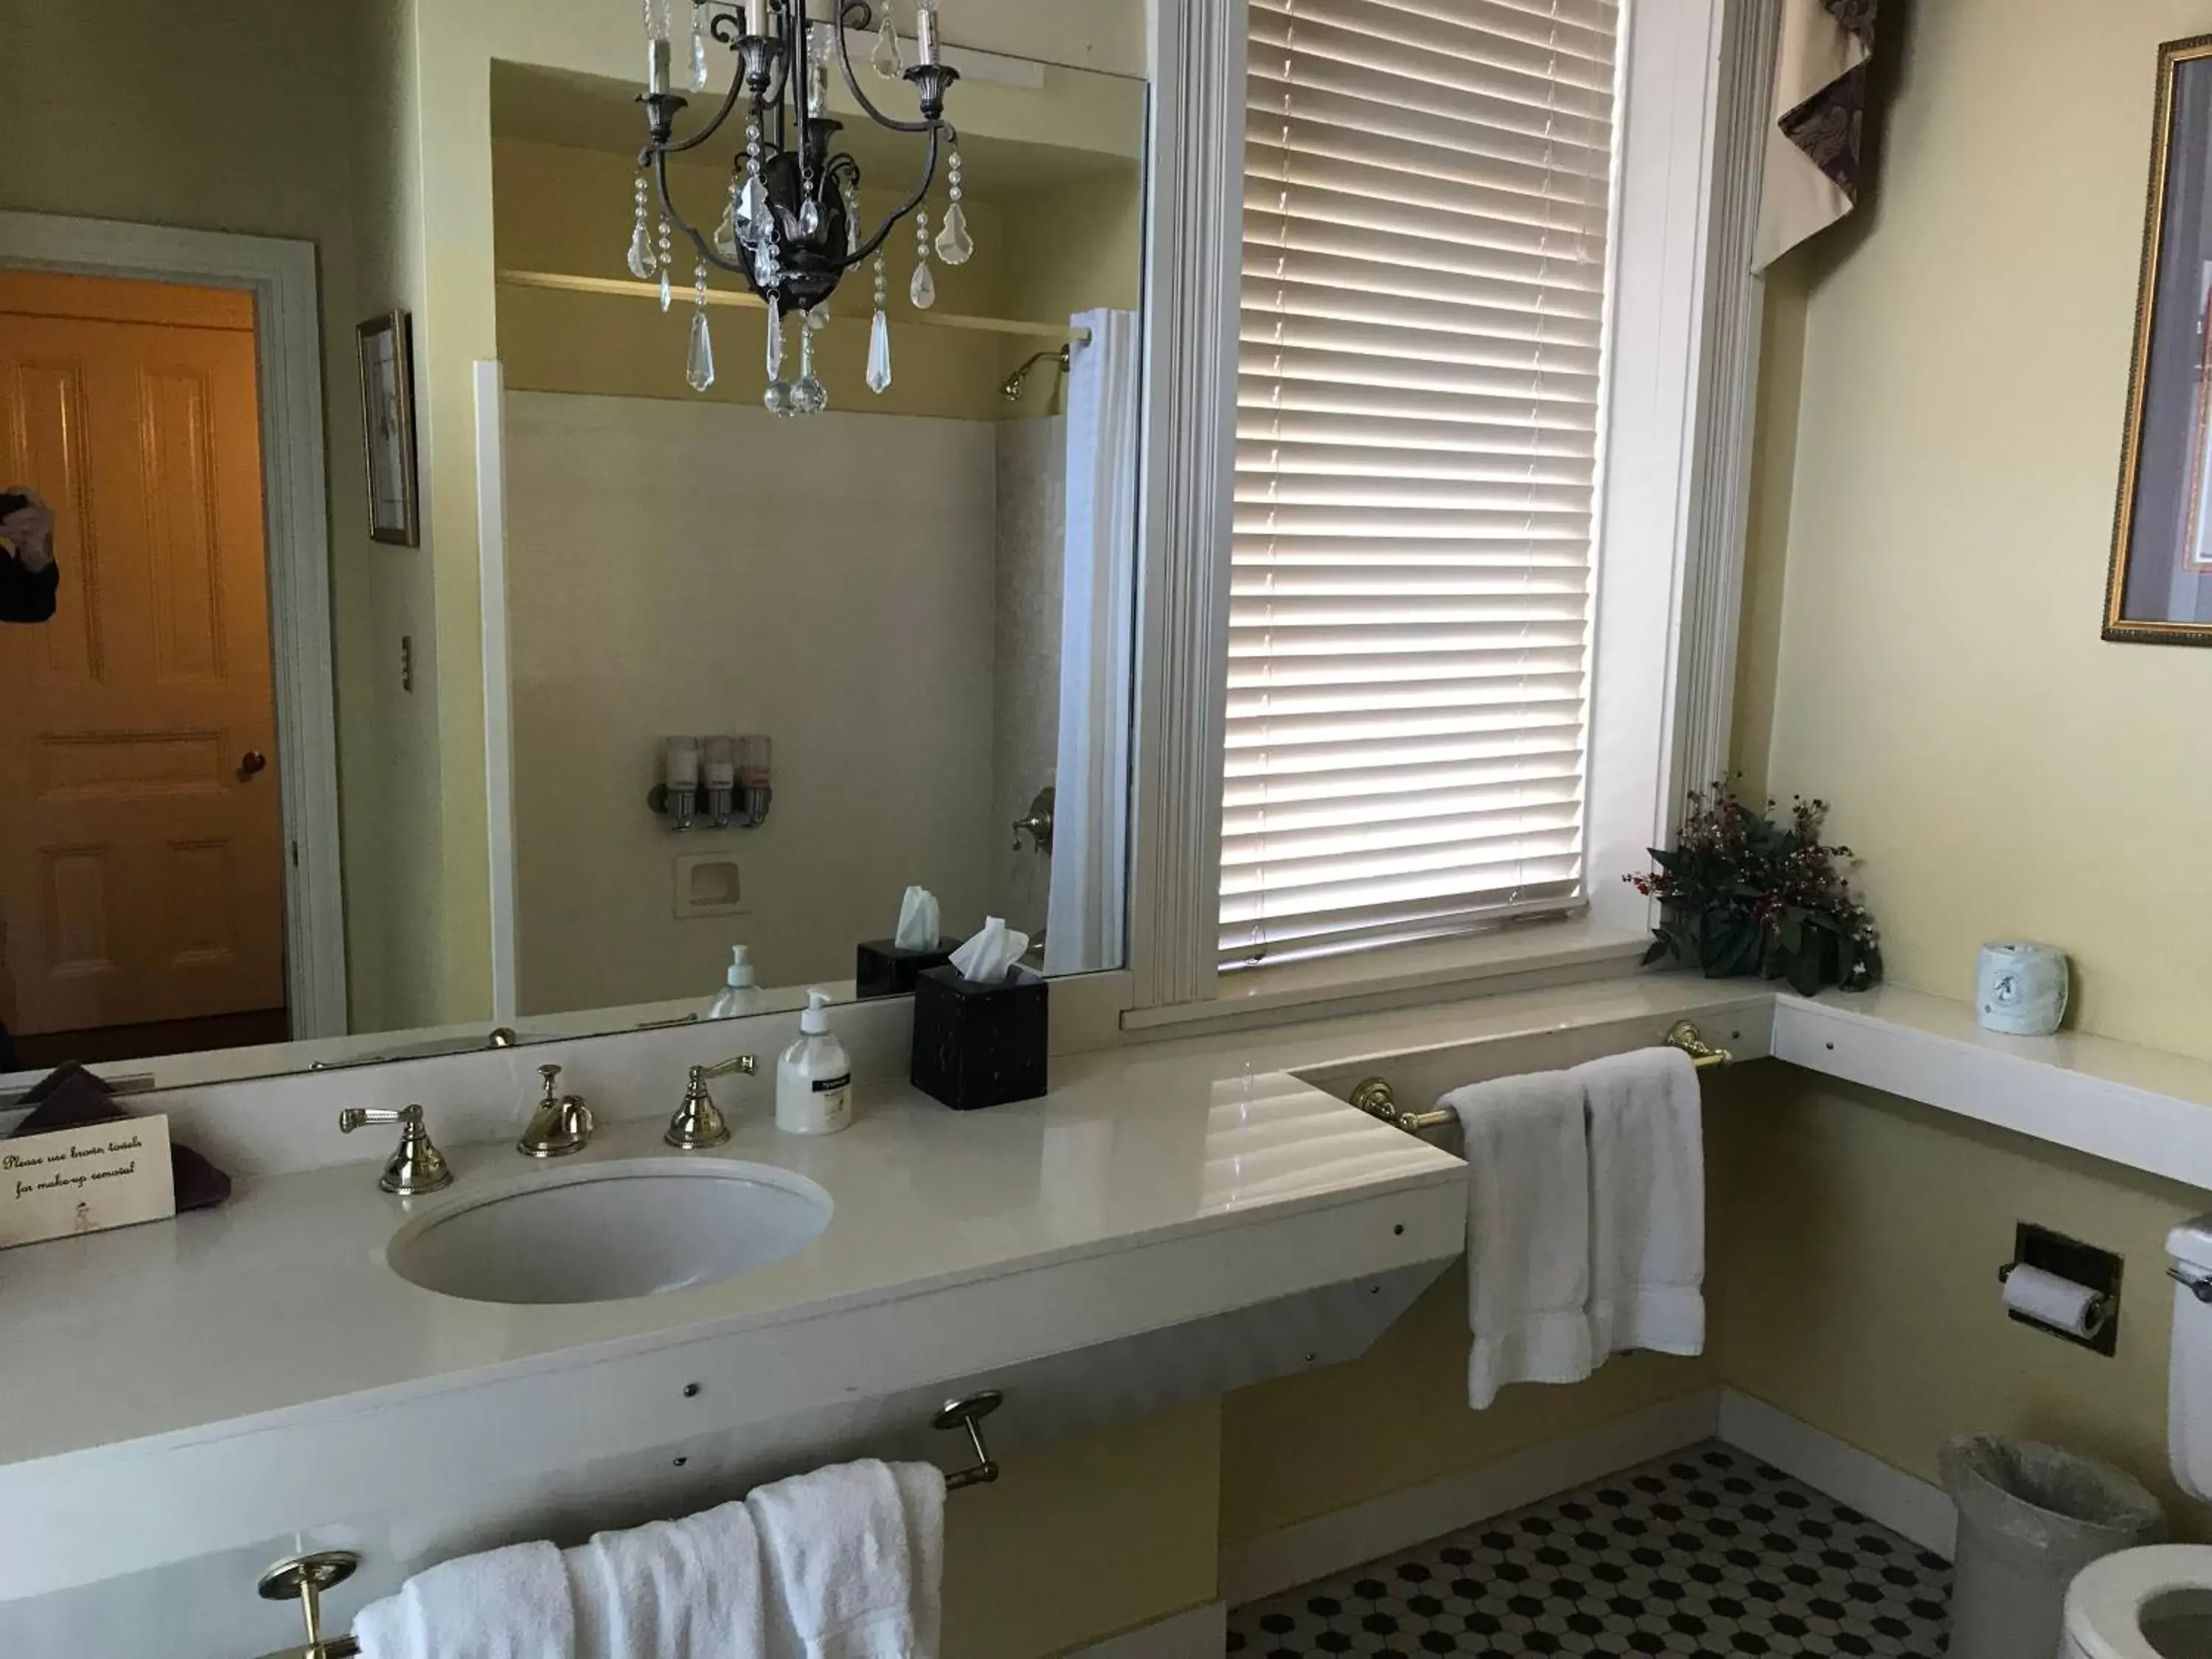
(141, 830)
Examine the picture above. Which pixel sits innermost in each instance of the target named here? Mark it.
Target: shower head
(1018, 382)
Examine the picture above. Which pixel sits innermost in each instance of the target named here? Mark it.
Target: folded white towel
(921, 1494)
(853, 1558)
(1647, 1203)
(503, 1604)
(671, 1590)
(1528, 1231)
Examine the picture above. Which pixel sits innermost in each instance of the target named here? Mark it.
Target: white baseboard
(1903, 1502)
(1201, 1632)
(1330, 1544)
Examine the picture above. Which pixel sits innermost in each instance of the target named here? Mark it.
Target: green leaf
(1804, 968)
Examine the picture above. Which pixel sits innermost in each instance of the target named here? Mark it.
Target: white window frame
(1669, 557)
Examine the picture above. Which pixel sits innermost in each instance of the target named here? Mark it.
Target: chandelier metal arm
(659, 160)
(853, 82)
(675, 146)
(866, 250)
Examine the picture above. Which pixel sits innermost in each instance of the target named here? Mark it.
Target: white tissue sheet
(918, 921)
(986, 957)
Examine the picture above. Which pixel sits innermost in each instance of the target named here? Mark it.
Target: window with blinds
(1427, 187)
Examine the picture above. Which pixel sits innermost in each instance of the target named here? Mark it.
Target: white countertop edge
(680, 1332)
(2140, 1108)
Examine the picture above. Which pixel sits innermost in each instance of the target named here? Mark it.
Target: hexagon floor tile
(1707, 1551)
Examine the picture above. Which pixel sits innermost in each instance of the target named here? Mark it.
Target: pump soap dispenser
(814, 1078)
(740, 994)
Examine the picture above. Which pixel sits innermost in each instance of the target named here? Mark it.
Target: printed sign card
(85, 1181)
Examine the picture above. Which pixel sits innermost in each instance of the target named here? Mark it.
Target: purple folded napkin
(72, 1097)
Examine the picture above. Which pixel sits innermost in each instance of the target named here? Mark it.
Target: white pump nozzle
(740, 975)
(816, 1020)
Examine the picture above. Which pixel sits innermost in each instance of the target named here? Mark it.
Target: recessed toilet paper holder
(2084, 1264)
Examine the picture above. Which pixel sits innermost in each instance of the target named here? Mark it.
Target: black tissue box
(980, 1044)
(884, 969)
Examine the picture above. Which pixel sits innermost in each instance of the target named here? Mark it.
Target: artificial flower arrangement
(1741, 893)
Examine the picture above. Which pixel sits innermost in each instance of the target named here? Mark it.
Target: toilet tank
(2188, 1381)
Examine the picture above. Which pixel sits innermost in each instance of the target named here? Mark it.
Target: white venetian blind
(1427, 185)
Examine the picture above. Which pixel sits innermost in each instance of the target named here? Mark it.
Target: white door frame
(280, 275)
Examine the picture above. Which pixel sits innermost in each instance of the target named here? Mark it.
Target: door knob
(251, 761)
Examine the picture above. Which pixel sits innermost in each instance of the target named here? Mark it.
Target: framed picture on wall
(2160, 589)
(388, 414)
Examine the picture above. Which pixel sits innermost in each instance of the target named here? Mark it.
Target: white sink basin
(609, 1232)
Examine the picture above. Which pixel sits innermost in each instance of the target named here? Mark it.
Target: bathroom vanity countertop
(282, 1298)
(227, 1377)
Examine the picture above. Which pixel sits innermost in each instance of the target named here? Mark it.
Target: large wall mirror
(903, 620)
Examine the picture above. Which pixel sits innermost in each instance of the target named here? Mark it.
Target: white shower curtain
(1091, 823)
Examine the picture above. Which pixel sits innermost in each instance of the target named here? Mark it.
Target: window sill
(1563, 951)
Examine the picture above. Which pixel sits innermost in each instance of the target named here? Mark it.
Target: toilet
(2156, 1602)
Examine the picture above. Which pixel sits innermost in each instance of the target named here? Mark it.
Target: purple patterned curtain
(1822, 50)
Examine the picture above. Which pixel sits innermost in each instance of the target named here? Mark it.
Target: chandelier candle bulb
(925, 33)
(756, 18)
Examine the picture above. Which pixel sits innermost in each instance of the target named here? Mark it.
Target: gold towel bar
(1372, 1095)
(304, 1578)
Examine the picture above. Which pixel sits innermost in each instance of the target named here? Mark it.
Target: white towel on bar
(1528, 1231)
(503, 1604)
(1647, 1203)
(671, 1590)
(853, 1560)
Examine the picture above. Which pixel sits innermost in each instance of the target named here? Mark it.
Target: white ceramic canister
(2022, 988)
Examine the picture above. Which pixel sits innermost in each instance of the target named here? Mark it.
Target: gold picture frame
(2158, 588)
(386, 346)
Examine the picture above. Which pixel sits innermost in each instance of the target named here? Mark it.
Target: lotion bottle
(740, 992)
(814, 1078)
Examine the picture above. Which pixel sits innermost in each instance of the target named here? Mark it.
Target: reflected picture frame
(387, 429)
(2159, 586)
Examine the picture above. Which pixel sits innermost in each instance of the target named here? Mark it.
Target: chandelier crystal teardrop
(789, 221)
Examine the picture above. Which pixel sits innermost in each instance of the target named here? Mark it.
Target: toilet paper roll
(2049, 1300)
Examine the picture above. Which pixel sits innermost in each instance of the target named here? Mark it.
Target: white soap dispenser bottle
(814, 1078)
(740, 991)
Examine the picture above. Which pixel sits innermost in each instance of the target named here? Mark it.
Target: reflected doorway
(141, 886)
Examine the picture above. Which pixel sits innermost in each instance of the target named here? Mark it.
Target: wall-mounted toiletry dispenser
(728, 776)
(679, 773)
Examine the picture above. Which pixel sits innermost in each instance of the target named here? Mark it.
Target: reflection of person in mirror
(28, 576)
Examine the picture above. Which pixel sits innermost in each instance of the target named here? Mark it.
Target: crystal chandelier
(791, 226)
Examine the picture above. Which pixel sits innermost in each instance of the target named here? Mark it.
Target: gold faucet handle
(699, 1123)
(417, 1166)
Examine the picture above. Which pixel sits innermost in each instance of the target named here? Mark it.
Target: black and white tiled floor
(1707, 1551)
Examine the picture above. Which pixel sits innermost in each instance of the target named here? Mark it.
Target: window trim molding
(1663, 653)
(1735, 310)
(1661, 643)
(1193, 272)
